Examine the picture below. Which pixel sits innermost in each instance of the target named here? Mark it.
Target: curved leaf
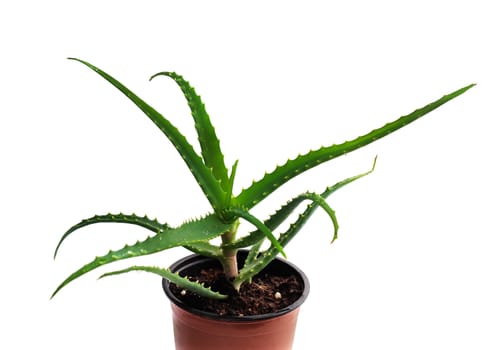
(259, 224)
(210, 146)
(203, 175)
(316, 198)
(152, 225)
(191, 232)
(205, 249)
(180, 281)
(286, 210)
(256, 265)
(272, 223)
(253, 253)
(259, 190)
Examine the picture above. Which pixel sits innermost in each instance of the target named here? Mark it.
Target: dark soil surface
(266, 294)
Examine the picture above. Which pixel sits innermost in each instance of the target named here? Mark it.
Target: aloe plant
(216, 181)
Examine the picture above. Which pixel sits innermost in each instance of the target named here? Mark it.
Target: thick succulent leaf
(252, 255)
(232, 182)
(205, 249)
(210, 146)
(270, 182)
(180, 281)
(316, 198)
(253, 252)
(331, 189)
(272, 223)
(152, 225)
(286, 210)
(259, 225)
(203, 175)
(256, 265)
(191, 232)
(247, 241)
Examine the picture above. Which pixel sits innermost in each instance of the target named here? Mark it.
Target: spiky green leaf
(272, 223)
(253, 252)
(180, 281)
(258, 224)
(203, 175)
(256, 265)
(205, 249)
(232, 182)
(152, 225)
(209, 142)
(316, 198)
(286, 210)
(200, 230)
(271, 181)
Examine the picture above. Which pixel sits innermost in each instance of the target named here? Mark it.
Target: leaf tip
(159, 74)
(54, 293)
(374, 163)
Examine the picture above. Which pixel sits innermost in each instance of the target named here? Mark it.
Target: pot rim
(195, 259)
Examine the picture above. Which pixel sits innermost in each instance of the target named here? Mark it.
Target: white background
(410, 269)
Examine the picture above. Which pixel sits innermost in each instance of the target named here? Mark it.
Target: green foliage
(183, 282)
(216, 182)
(189, 233)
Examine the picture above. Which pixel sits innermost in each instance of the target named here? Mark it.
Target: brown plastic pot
(195, 329)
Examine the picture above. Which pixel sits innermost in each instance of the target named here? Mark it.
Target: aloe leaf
(232, 182)
(252, 255)
(259, 190)
(331, 189)
(294, 228)
(316, 198)
(210, 146)
(320, 199)
(246, 241)
(203, 175)
(256, 237)
(205, 249)
(255, 266)
(259, 224)
(180, 281)
(203, 229)
(152, 225)
(253, 252)
(272, 223)
(286, 210)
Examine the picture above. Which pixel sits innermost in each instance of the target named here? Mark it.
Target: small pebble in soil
(183, 292)
(277, 296)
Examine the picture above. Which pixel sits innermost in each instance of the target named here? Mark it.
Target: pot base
(193, 332)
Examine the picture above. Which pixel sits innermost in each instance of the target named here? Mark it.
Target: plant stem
(229, 261)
